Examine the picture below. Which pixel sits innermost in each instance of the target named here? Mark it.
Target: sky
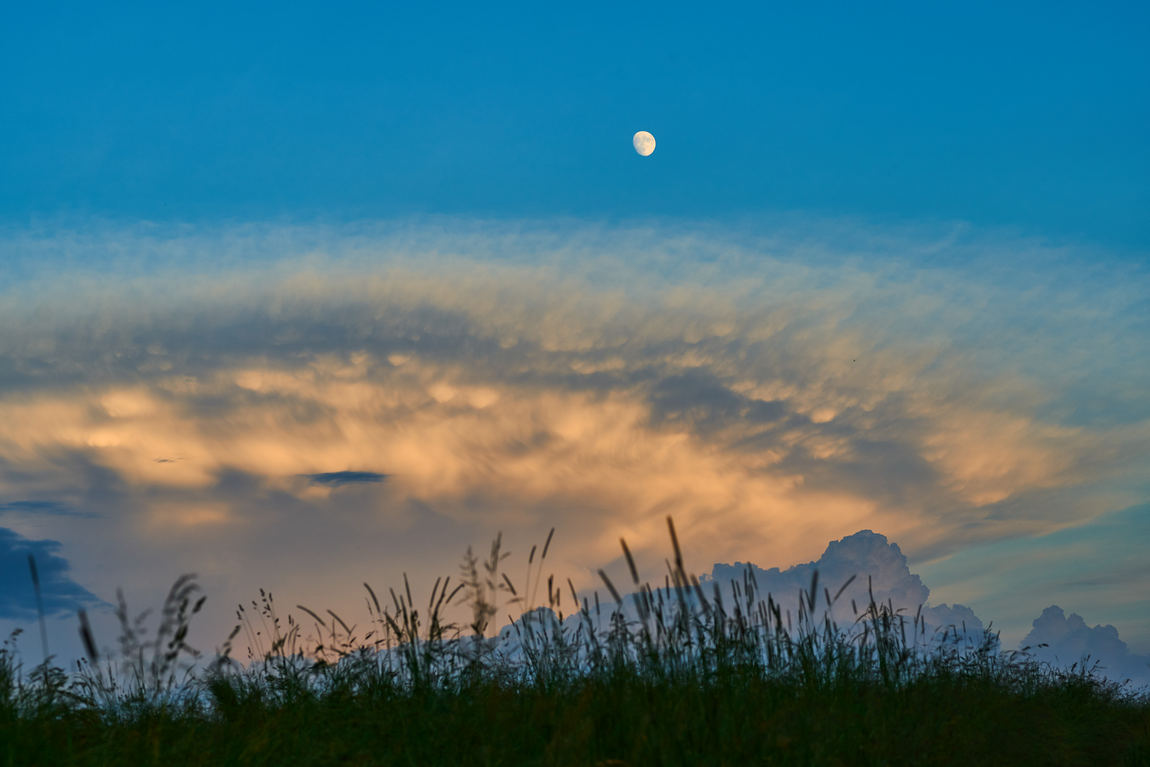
(295, 299)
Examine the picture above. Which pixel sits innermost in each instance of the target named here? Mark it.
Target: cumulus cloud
(865, 566)
(851, 572)
(1068, 640)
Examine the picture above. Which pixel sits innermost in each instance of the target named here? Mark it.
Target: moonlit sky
(295, 299)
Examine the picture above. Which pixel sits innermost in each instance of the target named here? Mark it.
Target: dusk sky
(298, 297)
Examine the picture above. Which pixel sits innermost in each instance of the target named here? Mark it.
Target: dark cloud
(231, 483)
(889, 469)
(76, 484)
(340, 478)
(700, 400)
(54, 508)
(60, 594)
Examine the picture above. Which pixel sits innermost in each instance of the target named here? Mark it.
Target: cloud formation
(339, 478)
(879, 570)
(882, 569)
(220, 400)
(850, 573)
(60, 594)
(39, 507)
(1068, 640)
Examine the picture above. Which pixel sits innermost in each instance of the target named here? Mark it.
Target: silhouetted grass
(679, 678)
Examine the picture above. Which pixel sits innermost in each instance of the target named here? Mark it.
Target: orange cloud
(768, 412)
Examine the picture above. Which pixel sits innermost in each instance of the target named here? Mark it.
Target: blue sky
(1030, 116)
(887, 269)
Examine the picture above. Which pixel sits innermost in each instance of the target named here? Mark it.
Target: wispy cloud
(54, 508)
(772, 392)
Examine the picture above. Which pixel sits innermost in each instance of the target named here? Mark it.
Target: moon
(644, 143)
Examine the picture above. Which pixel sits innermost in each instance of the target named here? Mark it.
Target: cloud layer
(225, 402)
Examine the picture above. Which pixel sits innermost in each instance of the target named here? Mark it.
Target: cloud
(54, 508)
(339, 478)
(59, 592)
(1099, 565)
(865, 565)
(850, 573)
(771, 391)
(879, 570)
(1070, 641)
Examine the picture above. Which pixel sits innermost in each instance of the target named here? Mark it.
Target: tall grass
(662, 675)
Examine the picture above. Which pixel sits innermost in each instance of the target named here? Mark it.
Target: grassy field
(682, 678)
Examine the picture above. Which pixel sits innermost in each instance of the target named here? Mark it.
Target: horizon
(1055, 638)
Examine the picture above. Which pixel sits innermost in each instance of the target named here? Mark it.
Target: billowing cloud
(1068, 640)
(217, 401)
(851, 572)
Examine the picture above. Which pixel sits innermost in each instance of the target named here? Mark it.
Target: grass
(679, 677)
